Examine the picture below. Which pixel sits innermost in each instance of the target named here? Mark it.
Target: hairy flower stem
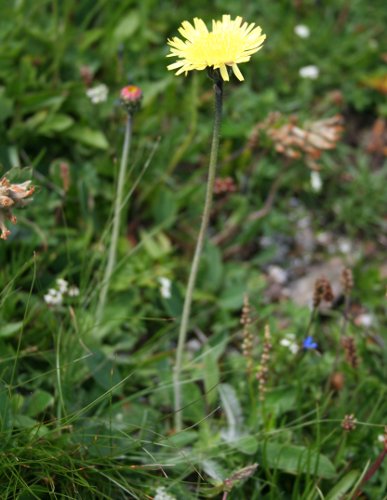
(116, 223)
(218, 89)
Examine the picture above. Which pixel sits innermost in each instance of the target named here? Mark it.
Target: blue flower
(309, 343)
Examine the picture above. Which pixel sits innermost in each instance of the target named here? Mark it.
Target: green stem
(218, 90)
(116, 222)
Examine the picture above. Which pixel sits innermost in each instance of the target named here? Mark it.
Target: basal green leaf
(10, 329)
(87, 136)
(343, 486)
(297, 459)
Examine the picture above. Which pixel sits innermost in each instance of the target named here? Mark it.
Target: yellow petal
(200, 25)
(237, 72)
(224, 72)
(175, 65)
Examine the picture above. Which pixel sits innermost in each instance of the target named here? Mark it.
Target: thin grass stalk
(112, 257)
(218, 91)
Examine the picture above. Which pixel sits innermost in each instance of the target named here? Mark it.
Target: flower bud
(131, 97)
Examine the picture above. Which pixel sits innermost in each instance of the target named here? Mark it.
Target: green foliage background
(88, 414)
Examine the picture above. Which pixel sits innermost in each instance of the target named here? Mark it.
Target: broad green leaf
(36, 120)
(214, 470)
(38, 402)
(90, 37)
(164, 205)
(42, 100)
(211, 375)
(280, 400)
(193, 402)
(297, 459)
(17, 401)
(212, 269)
(182, 439)
(24, 422)
(126, 27)
(233, 412)
(232, 297)
(157, 245)
(55, 123)
(87, 136)
(103, 370)
(345, 483)
(10, 329)
(246, 444)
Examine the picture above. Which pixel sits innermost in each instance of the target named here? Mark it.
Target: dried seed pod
(224, 185)
(347, 280)
(337, 381)
(247, 343)
(322, 291)
(349, 423)
(349, 346)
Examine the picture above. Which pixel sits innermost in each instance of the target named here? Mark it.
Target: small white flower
(315, 181)
(381, 438)
(344, 245)
(73, 291)
(98, 94)
(311, 72)
(277, 274)
(53, 297)
(165, 287)
(161, 494)
(365, 320)
(302, 31)
(294, 348)
(194, 345)
(62, 284)
(289, 342)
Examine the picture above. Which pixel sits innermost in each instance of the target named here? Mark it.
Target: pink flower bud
(131, 94)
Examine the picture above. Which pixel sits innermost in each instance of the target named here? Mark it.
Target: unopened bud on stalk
(131, 97)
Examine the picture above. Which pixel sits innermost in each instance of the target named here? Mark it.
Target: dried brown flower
(322, 291)
(337, 381)
(224, 185)
(349, 346)
(347, 280)
(64, 171)
(239, 475)
(86, 75)
(377, 140)
(336, 97)
(247, 344)
(12, 196)
(294, 141)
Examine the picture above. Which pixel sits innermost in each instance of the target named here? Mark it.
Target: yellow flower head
(229, 43)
